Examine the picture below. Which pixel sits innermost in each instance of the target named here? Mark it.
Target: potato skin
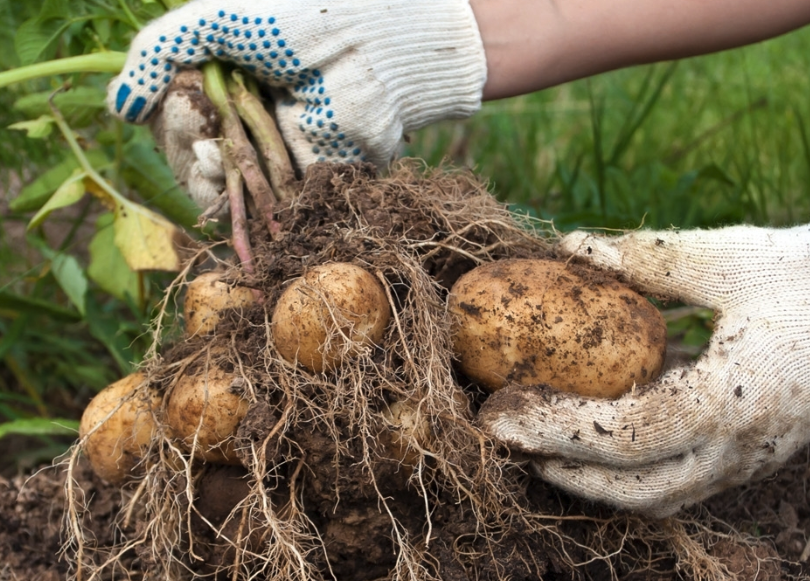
(206, 297)
(221, 414)
(302, 319)
(407, 428)
(535, 321)
(117, 446)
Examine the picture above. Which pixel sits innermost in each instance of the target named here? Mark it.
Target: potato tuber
(203, 405)
(118, 443)
(543, 322)
(207, 296)
(330, 312)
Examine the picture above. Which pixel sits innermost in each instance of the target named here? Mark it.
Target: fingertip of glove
(126, 102)
(575, 243)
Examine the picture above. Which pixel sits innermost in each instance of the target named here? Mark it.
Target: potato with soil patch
(544, 322)
(409, 428)
(204, 404)
(331, 312)
(117, 445)
(206, 297)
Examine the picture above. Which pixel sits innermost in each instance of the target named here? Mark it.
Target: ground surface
(31, 513)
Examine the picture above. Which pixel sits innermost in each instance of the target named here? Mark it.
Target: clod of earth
(545, 322)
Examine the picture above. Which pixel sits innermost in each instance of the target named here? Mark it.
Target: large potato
(539, 321)
(206, 296)
(206, 402)
(118, 443)
(318, 311)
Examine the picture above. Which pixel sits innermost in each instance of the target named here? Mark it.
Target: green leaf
(71, 191)
(76, 100)
(714, 172)
(36, 128)
(35, 39)
(17, 304)
(107, 265)
(35, 194)
(146, 171)
(107, 328)
(55, 9)
(147, 240)
(40, 427)
(71, 278)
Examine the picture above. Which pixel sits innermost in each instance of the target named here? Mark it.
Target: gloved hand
(356, 74)
(186, 126)
(736, 414)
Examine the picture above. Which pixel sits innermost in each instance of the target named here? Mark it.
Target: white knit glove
(357, 73)
(186, 126)
(736, 414)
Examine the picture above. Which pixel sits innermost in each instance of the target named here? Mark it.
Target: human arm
(535, 44)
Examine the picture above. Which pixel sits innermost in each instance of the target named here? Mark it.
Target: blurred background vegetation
(715, 140)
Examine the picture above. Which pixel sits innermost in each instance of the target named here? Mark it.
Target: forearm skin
(535, 44)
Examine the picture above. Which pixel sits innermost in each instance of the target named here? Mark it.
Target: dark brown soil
(351, 484)
(777, 511)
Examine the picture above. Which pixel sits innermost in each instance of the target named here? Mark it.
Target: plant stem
(264, 130)
(239, 226)
(133, 20)
(238, 146)
(102, 62)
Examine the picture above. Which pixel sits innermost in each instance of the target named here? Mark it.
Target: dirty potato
(543, 322)
(204, 405)
(329, 313)
(119, 427)
(206, 297)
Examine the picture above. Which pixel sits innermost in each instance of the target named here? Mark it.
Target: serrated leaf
(71, 191)
(34, 195)
(36, 128)
(71, 278)
(108, 268)
(40, 427)
(35, 39)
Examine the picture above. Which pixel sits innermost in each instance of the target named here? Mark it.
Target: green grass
(707, 141)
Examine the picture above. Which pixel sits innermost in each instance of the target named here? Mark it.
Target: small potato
(317, 312)
(206, 297)
(540, 322)
(409, 428)
(116, 447)
(207, 396)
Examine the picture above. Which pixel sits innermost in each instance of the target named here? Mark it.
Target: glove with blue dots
(355, 74)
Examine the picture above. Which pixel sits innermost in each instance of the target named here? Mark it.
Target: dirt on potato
(322, 490)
